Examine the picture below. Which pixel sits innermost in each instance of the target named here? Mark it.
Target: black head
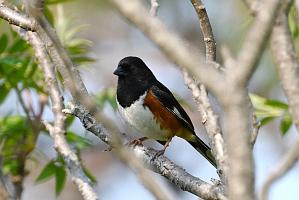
(134, 78)
(133, 68)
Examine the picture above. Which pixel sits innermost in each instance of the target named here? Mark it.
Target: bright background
(114, 38)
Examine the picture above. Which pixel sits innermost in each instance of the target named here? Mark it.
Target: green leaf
(285, 124)
(19, 46)
(293, 22)
(266, 120)
(276, 104)
(4, 91)
(3, 42)
(107, 96)
(48, 172)
(60, 176)
(78, 141)
(265, 108)
(12, 166)
(69, 120)
(49, 15)
(90, 176)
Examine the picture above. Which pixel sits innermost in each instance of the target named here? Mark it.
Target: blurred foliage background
(96, 38)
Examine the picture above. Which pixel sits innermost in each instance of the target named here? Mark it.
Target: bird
(150, 108)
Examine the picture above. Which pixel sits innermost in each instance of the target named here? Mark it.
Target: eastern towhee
(150, 108)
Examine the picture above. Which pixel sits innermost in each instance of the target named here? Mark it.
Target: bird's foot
(162, 151)
(158, 153)
(138, 142)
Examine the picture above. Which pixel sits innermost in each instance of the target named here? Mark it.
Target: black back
(168, 100)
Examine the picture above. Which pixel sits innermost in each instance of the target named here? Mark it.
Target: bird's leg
(138, 142)
(162, 151)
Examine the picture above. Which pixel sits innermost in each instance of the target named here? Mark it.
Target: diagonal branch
(175, 48)
(161, 165)
(283, 167)
(57, 131)
(16, 18)
(254, 43)
(79, 92)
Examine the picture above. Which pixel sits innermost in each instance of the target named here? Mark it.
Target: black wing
(164, 95)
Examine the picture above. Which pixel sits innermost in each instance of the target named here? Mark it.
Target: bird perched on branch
(149, 107)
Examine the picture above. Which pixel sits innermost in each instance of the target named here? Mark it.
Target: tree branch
(79, 92)
(16, 18)
(254, 43)
(252, 5)
(7, 188)
(210, 122)
(254, 130)
(185, 56)
(206, 29)
(199, 93)
(283, 167)
(161, 164)
(287, 65)
(58, 130)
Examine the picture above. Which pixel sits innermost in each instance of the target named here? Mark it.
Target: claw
(138, 142)
(162, 151)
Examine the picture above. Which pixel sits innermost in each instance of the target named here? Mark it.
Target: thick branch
(161, 165)
(76, 86)
(287, 65)
(177, 50)
(58, 130)
(16, 18)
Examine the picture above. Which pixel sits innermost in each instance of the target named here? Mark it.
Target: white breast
(142, 120)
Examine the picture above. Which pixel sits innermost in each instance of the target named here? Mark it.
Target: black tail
(204, 150)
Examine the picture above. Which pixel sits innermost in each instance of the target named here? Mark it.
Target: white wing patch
(178, 114)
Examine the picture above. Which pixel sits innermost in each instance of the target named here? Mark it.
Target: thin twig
(199, 93)
(206, 29)
(256, 125)
(21, 100)
(210, 122)
(283, 167)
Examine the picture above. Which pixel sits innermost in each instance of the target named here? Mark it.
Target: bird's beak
(119, 72)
